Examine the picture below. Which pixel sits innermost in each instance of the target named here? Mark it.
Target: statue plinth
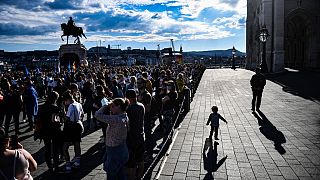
(73, 55)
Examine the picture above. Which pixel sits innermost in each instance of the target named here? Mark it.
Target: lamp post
(233, 60)
(263, 37)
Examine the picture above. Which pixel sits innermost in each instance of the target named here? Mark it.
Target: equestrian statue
(70, 29)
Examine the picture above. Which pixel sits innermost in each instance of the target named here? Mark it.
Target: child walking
(214, 122)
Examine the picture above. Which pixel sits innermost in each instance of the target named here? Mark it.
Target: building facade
(294, 40)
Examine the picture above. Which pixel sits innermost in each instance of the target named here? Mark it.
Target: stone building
(294, 40)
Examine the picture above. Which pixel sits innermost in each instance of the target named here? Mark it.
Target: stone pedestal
(73, 54)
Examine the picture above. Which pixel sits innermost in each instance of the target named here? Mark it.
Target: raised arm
(103, 117)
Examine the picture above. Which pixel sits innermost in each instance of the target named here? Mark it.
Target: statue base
(72, 56)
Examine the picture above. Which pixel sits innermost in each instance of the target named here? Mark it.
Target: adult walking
(258, 81)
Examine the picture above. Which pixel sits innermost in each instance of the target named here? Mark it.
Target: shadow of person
(270, 131)
(210, 158)
(89, 161)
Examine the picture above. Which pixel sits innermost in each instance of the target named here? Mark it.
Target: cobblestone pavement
(246, 149)
(280, 142)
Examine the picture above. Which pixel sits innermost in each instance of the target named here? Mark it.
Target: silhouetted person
(213, 120)
(71, 23)
(258, 81)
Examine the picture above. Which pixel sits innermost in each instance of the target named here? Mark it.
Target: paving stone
(182, 167)
(288, 173)
(179, 176)
(163, 177)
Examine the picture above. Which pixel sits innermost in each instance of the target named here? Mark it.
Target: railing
(166, 142)
(184, 105)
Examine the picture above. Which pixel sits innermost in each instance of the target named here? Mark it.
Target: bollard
(186, 104)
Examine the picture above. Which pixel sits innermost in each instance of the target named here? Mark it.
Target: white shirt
(75, 112)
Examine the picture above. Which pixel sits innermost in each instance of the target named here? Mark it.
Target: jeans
(115, 159)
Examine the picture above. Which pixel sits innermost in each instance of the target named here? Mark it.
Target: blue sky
(193, 24)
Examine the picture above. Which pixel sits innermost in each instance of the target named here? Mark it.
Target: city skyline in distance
(195, 25)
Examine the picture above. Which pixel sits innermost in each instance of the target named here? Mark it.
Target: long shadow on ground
(299, 83)
(210, 158)
(270, 132)
(89, 161)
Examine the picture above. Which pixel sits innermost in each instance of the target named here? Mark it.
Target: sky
(196, 25)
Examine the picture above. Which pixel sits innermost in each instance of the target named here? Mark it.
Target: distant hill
(223, 53)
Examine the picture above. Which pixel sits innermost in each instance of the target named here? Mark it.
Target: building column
(278, 36)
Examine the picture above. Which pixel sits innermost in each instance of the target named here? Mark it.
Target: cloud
(10, 14)
(122, 20)
(22, 4)
(19, 29)
(51, 38)
(233, 22)
(232, 3)
(63, 4)
(110, 20)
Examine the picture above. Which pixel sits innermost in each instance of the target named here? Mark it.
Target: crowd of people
(124, 102)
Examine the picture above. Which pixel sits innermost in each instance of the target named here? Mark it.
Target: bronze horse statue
(72, 31)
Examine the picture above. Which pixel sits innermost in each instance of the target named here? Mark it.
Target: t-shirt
(75, 112)
(135, 114)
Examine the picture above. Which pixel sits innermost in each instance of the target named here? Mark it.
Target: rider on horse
(71, 25)
(70, 29)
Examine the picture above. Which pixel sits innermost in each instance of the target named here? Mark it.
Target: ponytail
(124, 103)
